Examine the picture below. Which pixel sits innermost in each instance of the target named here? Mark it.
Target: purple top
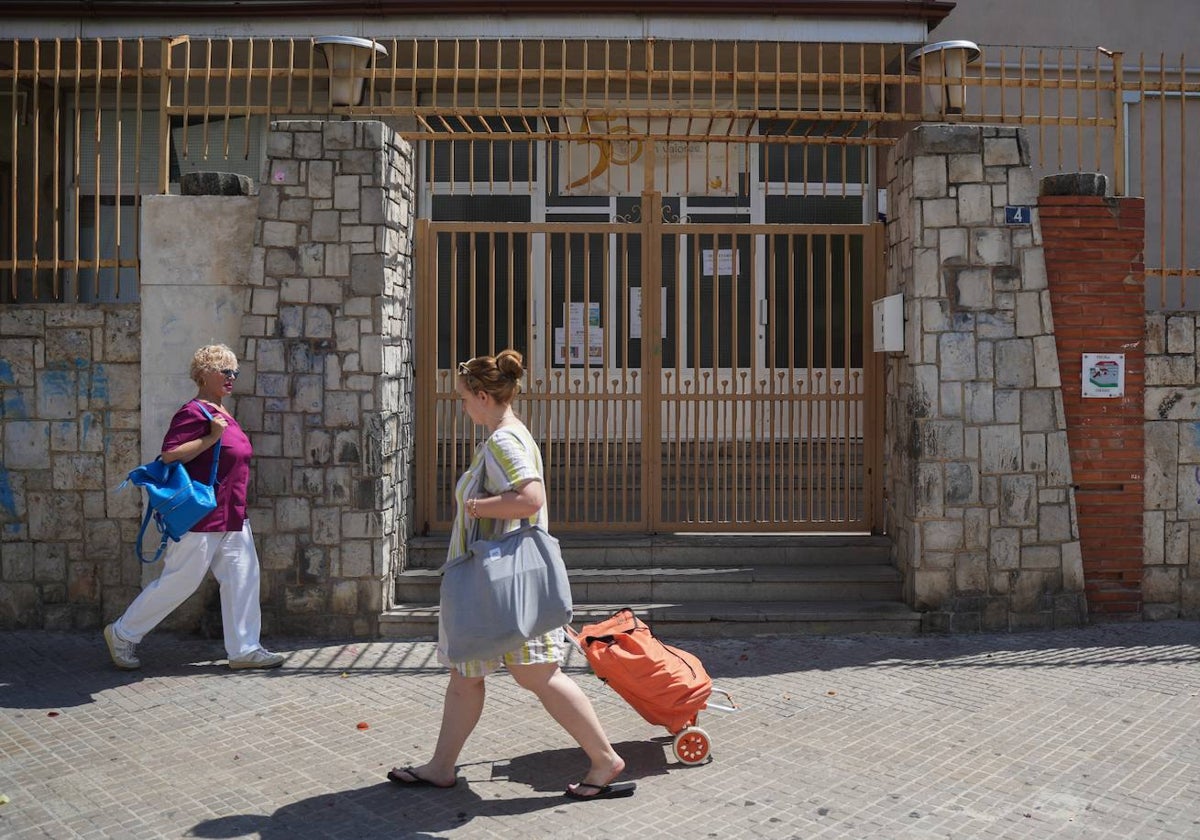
(233, 470)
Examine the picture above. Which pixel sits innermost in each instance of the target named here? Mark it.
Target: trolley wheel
(692, 745)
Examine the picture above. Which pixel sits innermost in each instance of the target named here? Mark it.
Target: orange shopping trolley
(665, 685)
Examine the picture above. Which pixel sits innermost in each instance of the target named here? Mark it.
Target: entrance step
(810, 582)
(689, 551)
(688, 585)
(711, 619)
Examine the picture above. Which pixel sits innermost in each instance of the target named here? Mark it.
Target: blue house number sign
(1017, 214)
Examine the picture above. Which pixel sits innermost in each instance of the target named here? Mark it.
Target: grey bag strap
(478, 487)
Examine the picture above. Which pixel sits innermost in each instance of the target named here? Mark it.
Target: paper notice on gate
(722, 263)
(635, 312)
(582, 331)
(574, 349)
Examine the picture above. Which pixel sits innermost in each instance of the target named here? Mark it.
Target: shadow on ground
(50, 670)
(42, 670)
(386, 810)
(1168, 642)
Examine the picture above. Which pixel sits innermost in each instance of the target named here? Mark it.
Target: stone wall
(70, 384)
(310, 282)
(317, 277)
(329, 336)
(1171, 577)
(977, 472)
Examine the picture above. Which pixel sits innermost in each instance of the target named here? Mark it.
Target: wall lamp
(948, 60)
(343, 54)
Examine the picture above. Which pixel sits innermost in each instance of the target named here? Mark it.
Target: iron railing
(87, 127)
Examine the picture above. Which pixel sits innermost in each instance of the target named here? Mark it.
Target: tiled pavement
(1075, 734)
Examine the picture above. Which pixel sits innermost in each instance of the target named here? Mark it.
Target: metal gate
(680, 377)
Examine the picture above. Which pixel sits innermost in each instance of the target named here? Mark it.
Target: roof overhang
(830, 21)
(928, 10)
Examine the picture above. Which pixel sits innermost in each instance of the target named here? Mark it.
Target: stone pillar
(977, 471)
(1171, 581)
(1097, 278)
(329, 344)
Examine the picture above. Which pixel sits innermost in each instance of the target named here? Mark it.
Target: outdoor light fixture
(345, 53)
(947, 60)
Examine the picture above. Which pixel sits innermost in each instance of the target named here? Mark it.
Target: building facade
(678, 212)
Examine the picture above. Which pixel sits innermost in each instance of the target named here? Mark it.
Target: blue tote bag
(173, 499)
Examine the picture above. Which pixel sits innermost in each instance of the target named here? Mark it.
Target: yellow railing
(89, 126)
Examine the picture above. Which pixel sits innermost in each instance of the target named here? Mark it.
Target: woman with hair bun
(507, 466)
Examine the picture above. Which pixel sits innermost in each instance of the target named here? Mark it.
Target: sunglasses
(463, 369)
(230, 374)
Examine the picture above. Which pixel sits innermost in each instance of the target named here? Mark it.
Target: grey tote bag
(502, 592)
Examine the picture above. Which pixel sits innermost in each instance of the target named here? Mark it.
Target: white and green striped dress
(509, 458)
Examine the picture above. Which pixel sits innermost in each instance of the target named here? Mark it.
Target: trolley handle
(583, 642)
(732, 707)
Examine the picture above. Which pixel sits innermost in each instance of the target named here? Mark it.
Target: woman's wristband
(473, 507)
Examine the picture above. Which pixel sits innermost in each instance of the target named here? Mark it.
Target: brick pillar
(1095, 270)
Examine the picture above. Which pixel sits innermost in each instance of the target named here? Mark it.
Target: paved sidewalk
(1075, 734)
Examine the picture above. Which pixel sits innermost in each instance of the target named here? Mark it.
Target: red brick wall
(1096, 274)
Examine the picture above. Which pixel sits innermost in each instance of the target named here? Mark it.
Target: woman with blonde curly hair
(221, 541)
(503, 486)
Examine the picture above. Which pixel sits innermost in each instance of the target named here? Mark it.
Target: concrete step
(700, 584)
(691, 551)
(714, 619)
(807, 582)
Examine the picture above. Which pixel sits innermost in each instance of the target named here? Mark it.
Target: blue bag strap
(212, 479)
(162, 546)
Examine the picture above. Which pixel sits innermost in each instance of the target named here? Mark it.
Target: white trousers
(234, 563)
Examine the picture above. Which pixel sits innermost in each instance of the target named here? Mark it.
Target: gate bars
(669, 393)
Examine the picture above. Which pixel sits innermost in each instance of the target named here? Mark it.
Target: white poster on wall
(1103, 375)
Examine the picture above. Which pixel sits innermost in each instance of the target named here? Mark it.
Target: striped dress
(509, 458)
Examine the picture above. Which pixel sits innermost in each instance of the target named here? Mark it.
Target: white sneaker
(257, 658)
(123, 653)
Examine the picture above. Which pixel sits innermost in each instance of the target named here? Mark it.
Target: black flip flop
(416, 781)
(613, 790)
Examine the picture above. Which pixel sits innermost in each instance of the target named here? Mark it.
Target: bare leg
(570, 707)
(460, 712)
